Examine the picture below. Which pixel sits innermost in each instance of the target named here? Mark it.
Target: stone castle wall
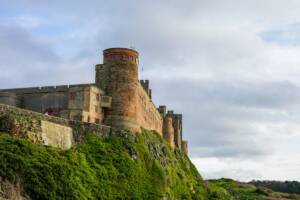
(56, 135)
(80, 102)
(128, 103)
(147, 115)
(40, 98)
(45, 89)
(45, 129)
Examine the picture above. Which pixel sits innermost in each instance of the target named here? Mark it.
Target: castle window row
(123, 57)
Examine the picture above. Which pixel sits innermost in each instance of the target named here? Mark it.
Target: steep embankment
(123, 166)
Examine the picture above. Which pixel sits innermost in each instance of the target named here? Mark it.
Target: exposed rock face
(9, 191)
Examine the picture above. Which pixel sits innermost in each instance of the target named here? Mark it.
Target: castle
(117, 99)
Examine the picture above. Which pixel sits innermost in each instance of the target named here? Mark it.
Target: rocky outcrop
(9, 191)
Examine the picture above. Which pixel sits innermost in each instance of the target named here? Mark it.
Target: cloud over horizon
(231, 68)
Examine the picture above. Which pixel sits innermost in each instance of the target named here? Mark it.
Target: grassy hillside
(227, 189)
(280, 186)
(121, 167)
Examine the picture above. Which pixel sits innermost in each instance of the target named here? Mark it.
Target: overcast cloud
(231, 67)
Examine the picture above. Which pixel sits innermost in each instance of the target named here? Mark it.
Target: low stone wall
(57, 135)
(45, 129)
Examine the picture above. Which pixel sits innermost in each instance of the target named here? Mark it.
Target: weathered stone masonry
(117, 99)
(45, 129)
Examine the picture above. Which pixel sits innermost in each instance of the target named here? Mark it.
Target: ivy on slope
(123, 166)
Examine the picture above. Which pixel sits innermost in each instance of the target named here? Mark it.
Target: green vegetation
(227, 189)
(123, 166)
(120, 167)
(292, 187)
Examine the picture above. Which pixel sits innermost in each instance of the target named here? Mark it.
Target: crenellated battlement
(145, 84)
(120, 55)
(54, 88)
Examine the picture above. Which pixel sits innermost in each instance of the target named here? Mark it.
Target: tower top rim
(120, 49)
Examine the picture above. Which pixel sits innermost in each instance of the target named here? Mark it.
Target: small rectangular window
(105, 99)
(125, 57)
(72, 95)
(97, 97)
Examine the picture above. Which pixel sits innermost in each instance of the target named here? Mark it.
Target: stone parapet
(119, 55)
(44, 89)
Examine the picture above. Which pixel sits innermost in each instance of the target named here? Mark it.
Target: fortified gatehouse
(117, 99)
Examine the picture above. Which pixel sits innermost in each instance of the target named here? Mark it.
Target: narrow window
(97, 97)
(72, 96)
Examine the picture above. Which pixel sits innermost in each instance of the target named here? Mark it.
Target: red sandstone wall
(147, 115)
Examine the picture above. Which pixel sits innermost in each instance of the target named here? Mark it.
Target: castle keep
(117, 99)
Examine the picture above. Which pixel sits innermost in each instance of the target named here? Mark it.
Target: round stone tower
(118, 77)
(168, 130)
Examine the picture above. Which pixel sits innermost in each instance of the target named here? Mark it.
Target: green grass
(102, 169)
(227, 189)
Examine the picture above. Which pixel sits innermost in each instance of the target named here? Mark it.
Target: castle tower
(168, 130)
(184, 147)
(177, 124)
(118, 77)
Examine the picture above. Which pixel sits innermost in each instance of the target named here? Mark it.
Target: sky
(231, 67)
